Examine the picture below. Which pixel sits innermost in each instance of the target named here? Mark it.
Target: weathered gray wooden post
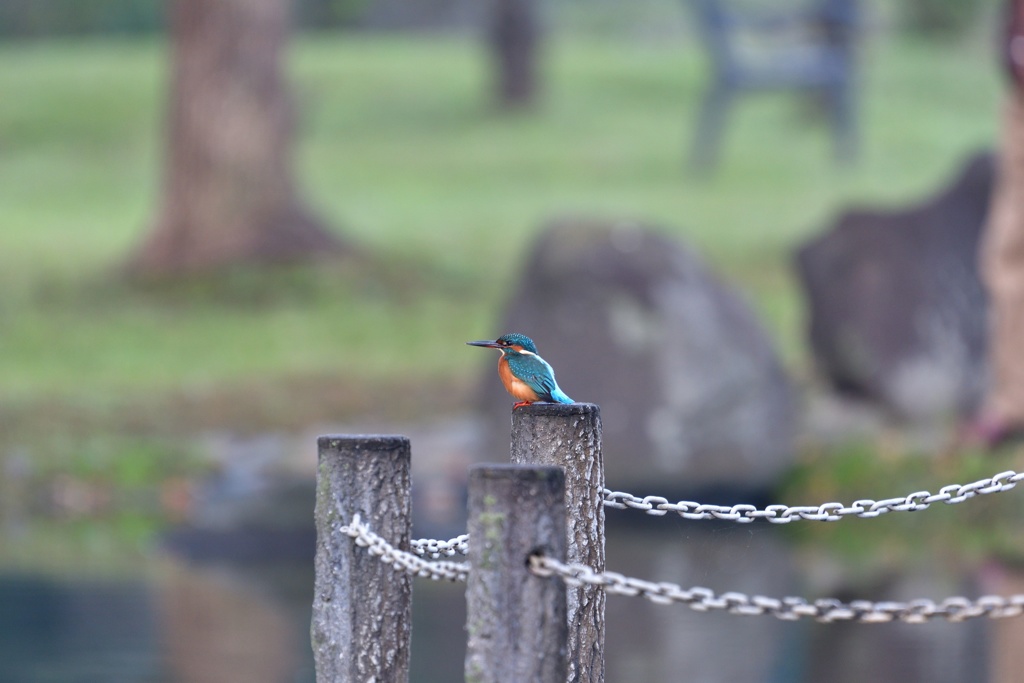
(569, 436)
(362, 608)
(515, 620)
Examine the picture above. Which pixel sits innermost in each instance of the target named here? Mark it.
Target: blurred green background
(112, 389)
(108, 387)
(401, 149)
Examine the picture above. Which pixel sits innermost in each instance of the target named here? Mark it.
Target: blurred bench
(764, 46)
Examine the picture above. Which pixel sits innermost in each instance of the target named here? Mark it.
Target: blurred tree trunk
(228, 196)
(514, 36)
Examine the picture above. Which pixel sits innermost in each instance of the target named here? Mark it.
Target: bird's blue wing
(536, 372)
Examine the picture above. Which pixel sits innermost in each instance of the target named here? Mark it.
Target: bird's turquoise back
(535, 371)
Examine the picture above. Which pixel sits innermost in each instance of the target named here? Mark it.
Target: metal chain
(826, 512)
(434, 548)
(776, 514)
(825, 610)
(401, 560)
(703, 599)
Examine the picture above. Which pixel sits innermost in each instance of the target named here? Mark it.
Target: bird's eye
(503, 342)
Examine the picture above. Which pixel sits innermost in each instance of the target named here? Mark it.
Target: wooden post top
(375, 442)
(558, 409)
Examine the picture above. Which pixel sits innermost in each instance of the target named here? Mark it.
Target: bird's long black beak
(485, 343)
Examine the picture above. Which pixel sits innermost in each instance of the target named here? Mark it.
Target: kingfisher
(527, 376)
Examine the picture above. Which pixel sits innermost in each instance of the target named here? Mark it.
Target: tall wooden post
(569, 436)
(362, 608)
(516, 620)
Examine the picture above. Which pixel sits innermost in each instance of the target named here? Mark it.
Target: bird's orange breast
(519, 389)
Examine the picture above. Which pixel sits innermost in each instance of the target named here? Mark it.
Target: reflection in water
(939, 651)
(658, 642)
(86, 631)
(757, 559)
(235, 589)
(229, 600)
(220, 627)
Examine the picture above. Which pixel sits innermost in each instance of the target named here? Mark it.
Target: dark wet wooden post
(362, 608)
(515, 620)
(569, 436)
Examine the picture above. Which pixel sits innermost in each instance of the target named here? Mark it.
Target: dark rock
(896, 307)
(692, 394)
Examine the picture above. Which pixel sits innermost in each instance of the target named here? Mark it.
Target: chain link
(431, 547)
(826, 512)
(776, 514)
(703, 599)
(401, 560)
(825, 610)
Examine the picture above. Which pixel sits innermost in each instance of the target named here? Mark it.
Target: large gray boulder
(693, 396)
(895, 305)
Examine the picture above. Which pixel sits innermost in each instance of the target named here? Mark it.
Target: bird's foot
(518, 404)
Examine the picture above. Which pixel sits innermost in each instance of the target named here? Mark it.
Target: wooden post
(516, 620)
(569, 436)
(362, 608)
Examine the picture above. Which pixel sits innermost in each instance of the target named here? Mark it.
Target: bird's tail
(559, 396)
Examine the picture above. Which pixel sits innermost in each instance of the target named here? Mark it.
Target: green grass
(400, 148)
